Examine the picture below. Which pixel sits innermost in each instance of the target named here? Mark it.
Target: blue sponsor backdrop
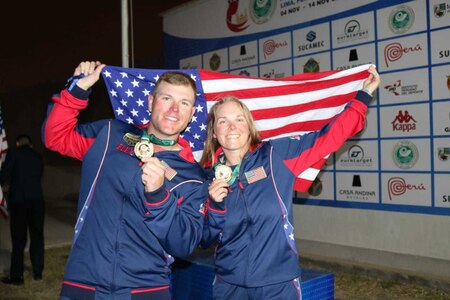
(401, 161)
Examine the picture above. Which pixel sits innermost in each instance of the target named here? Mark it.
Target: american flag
(281, 107)
(3, 148)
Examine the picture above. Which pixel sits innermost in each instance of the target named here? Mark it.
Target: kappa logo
(404, 122)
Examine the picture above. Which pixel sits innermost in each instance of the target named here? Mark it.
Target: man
(138, 205)
(23, 171)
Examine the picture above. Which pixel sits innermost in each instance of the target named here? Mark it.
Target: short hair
(175, 78)
(23, 139)
(211, 144)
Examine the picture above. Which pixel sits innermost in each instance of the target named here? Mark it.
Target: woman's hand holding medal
(153, 172)
(218, 189)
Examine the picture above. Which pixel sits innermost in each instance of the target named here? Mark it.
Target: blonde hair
(211, 144)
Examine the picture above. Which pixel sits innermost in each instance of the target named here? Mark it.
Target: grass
(347, 285)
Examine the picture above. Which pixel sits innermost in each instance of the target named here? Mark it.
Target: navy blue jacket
(254, 225)
(125, 237)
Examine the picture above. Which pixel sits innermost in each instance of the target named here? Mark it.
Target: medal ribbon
(235, 173)
(152, 138)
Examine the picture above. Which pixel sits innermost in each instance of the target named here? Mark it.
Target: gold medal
(143, 149)
(223, 172)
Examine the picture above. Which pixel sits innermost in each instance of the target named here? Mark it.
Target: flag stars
(129, 93)
(113, 93)
(194, 77)
(199, 108)
(144, 121)
(107, 74)
(118, 83)
(146, 92)
(124, 75)
(129, 120)
(196, 136)
(140, 102)
(135, 83)
(191, 144)
(123, 102)
(194, 118)
(286, 226)
(134, 112)
(188, 129)
(140, 77)
(156, 78)
(119, 111)
(203, 127)
(291, 236)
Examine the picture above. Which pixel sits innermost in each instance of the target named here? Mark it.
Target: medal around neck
(143, 149)
(223, 172)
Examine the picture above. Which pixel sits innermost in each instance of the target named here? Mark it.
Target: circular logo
(352, 27)
(262, 10)
(405, 154)
(214, 62)
(355, 152)
(311, 66)
(316, 187)
(401, 19)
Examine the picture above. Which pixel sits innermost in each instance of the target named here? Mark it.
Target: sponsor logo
(272, 74)
(310, 37)
(236, 21)
(357, 194)
(244, 59)
(262, 10)
(401, 19)
(405, 154)
(356, 158)
(270, 46)
(316, 188)
(444, 153)
(352, 32)
(311, 66)
(398, 89)
(353, 55)
(441, 9)
(404, 122)
(244, 73)
(214, 62)
(395, 51)
(397, 186)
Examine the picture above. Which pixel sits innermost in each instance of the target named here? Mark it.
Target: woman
(250, 207)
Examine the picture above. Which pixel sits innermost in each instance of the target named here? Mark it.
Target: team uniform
(256, 256)
(124, 237)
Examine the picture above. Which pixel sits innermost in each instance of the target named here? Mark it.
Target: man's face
(172, 108)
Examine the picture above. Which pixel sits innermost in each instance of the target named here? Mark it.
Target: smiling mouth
(171, 119)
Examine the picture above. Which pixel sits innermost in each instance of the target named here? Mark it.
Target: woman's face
(231, 128)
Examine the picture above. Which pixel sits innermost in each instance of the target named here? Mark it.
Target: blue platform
(192, 280)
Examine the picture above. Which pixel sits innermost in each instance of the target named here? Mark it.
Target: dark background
(42, 43)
